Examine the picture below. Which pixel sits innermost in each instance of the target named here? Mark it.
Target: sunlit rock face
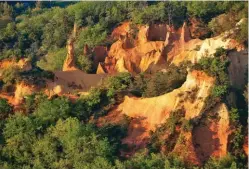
(156, 109)
(69, 63)
(158, 44)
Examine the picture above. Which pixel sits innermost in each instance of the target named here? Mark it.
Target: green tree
(91, 36)
(85, 63)
(5, 109)
(19, 135)
(11, 75)
(53, 60)
(57, 30)
(162, 83)
(80, 143)
(118, 83)
(49, 111)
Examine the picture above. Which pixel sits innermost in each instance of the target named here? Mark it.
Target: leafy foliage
(10, 75)
(5, 109)
(162, 83)
(85, 63)
(216, 67)
(49, 111)
(53, 60)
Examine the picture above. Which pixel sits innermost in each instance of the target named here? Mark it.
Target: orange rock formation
(157, 44)
(147, 113)
(69, 63)
(23, 64)
(21, 91)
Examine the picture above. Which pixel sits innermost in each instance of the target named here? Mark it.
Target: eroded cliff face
(22, 64)
(69, 63)
(190, 96)
(238, 68)
(157, 44)
(136, 54)
(21, 91)
(207, 139)
(148, 113)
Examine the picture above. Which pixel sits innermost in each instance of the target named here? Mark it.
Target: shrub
(242, 35)
(219, 90)
(85, 63)
(11, 75)
(92, 36)
(224, 162)
(53, 60)
(222, 23)
(220, 52)
(162, 83)
(5, 109)
(49, 111)
(118, 83)
(234, 115)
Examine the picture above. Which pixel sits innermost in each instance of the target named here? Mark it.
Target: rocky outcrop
(148, 113)
(210, 138)
(21, 91)
(23, 64)
(157, 44)
(121, 30)
(207, 139)
(190, 96)
(157, 32)
(195, 49)
(198, 29)
(69, 63)
(134, 55)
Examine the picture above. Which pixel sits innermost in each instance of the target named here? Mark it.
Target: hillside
(124, 85)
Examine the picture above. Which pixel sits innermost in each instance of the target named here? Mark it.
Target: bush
(224, 162)
(242, 35)
(162, 83)
(118, 83)
(222, 23)
(5, 109)
(91, 36)
(49, 111)
(85, 63)
(88, 105)
(220, 52)
(219, 91)
(216, 67)
(234, 115)
(54, 60)
(204, 10)
(11, 75)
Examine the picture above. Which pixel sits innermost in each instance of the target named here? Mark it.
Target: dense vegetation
(59, 133)
(40, 30)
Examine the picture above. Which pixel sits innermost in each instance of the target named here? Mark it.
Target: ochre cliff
(157, 44)
(135, 55)
(147, 113)
(207, 139)
(69, 63)
(23, 64)
(190, 96)
(21, 91)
